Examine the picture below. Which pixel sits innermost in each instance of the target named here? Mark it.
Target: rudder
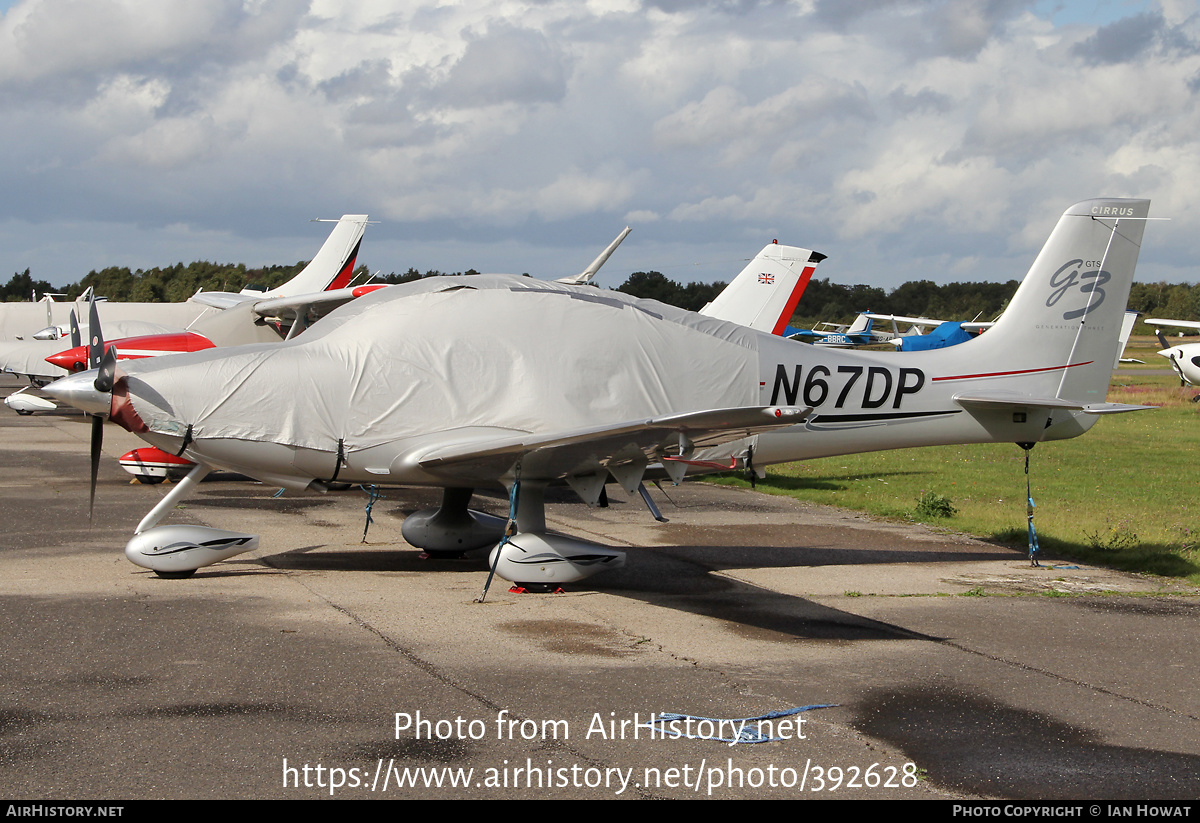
(1068, 311)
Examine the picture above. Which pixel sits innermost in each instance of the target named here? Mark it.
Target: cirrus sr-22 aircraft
(1184, 358)
(497, 381)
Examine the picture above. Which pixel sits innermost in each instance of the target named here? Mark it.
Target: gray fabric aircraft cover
(495, 351)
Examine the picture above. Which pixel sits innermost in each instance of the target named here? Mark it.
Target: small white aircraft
(1184, 358)
(764, 295)
(506, 382)
(842, 335)
(239, 317)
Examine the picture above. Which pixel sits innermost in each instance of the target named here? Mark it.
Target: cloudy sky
(905, 139)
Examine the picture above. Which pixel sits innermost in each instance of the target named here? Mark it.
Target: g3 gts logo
(1089, 283)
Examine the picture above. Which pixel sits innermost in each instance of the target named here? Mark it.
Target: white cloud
(938, 126)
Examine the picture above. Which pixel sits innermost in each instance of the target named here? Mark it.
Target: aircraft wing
(297, 311)
(910, 321)
(584, 278)
(282, 307)
(1182, 324)
(621, 449)
(221, 299)
(319, 303)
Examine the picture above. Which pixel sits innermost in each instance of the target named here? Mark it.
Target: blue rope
(745, 734)
(1033, 541)
(372, 495)
(513, 495)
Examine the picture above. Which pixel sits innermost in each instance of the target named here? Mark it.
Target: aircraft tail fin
(1064, 323)
(861, 325)
(1126, 332)
(333, 265)
(764, 295)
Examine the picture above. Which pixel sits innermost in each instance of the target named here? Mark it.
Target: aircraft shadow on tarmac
(990, 749)
(678, 575)
(257, 498)
(657, 577)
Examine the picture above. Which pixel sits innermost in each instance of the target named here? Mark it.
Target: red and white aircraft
(220, 318)
(323, 282)
(764, 295)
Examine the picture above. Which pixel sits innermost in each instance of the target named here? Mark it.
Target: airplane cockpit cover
(487, 351)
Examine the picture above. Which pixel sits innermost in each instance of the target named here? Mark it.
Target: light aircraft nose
(73, 360)
(79, 390)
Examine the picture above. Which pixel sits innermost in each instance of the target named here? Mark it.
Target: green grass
(1122, 495)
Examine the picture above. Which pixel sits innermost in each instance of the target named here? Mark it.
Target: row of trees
(822, 301)
(173, 284)
(835, 303)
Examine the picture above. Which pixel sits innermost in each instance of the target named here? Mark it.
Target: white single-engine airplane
(239, 317)
(1185, 358)
(506, 382)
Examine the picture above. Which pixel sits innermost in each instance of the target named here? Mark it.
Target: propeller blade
(76, 337)
(96, 338)
(108, 371)
(97, 443)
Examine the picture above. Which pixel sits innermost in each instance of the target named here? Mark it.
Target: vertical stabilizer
(1126, 332)
(1065, 319)
(333, 265)
(765, 294)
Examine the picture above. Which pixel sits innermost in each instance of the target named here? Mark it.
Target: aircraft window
(1196, 361)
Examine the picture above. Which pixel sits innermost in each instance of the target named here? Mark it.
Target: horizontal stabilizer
(1114, 408)
(1017, 400)
(1014, 400)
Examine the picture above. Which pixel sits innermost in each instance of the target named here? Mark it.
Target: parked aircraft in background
(864, 331)
(941, 336)
(220, 318)
(841, 335)
(1184, 358)
(764, 295)
(506, 382)
(224, 318)
(944, 333)
(1126, 332)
